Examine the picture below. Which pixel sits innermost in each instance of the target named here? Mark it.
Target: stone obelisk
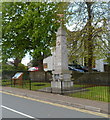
(61, 74)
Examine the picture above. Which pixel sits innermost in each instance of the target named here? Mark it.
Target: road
(19, 107)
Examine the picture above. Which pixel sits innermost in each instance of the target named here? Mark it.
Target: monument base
(60, 86)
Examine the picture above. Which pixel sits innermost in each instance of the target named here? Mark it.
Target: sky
(26, 59)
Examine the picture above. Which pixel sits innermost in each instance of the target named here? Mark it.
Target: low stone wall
(76, 75)
(96, 78)
(107, 68)
(40, 76)
(8, 74)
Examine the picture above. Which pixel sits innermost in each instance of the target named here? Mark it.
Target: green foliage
(88, 38)
(22, 67)
(12, 41)
(29, 27)
(7, 67)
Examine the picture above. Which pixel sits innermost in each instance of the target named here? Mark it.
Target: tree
(90, 20)
(12, 41)
(7, 67)
(29, 27)
(49, 38)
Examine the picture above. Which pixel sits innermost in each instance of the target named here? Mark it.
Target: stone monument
(61, 74)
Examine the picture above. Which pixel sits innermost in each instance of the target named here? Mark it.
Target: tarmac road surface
(19, 107)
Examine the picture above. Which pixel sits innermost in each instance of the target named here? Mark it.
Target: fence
(30, 80)
(95, 86)
(95, 78)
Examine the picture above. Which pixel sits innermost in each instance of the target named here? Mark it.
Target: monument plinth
(61, 73)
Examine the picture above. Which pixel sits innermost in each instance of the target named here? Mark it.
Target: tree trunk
(90, 41)
(41, 68)
(16, 62)
(38, 61)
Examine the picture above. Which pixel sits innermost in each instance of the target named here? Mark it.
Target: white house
(48, 63)
(100, 65)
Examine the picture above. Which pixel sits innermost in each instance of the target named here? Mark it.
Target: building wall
(100, 65)
(50, 64)
(40, 76)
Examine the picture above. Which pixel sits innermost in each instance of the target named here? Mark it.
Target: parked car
(77, 67)
(93, 69)
(74, 69)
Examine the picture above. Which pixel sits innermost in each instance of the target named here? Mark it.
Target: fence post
(45, 76)
(61, 87)
(29, 84)
(22, 83)
(11, 82)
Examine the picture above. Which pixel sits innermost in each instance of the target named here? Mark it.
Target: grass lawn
(100, 93)
(34, 85)
(5, 82)
(39, 85)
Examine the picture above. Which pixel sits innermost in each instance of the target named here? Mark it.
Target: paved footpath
(91, 105)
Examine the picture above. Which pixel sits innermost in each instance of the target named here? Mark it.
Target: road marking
(17, 112)
(59, 105)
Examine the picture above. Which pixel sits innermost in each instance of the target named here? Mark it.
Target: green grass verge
(5, 82)
(100, 93)
(26, 84)
(39, 85)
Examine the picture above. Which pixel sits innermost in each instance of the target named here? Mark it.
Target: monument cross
(61, 18)
(61, 73)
